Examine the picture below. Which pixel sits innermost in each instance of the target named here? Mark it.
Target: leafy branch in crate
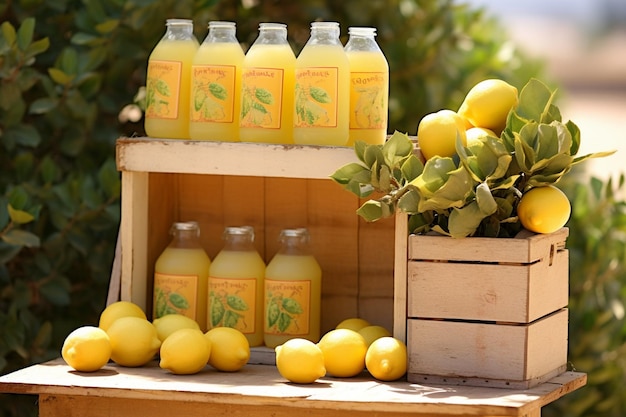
(476, 191)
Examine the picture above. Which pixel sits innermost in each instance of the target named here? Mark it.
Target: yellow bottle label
(262, 97)
(368, 100)
(232, 303)
(213, 93)
(316, 97)
(175, 294)
(287, 307)
(163, 88)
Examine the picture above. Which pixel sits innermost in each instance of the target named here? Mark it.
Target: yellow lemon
(230, 349)
(474, 135)
(353, 323)
(344, 352)
(119, 309)
(134, 341)
(371, 333)
(86, 349)
(386, 359)
(300, 360)
(437, 133)
(544, 209)
(185, 351)
(488, 103)
(168, 324)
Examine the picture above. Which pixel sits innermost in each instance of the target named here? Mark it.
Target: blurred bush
(67, 68)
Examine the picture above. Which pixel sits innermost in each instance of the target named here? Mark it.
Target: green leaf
(464, 221)
(37, 47)
(485, 200)
(43, 105)
(25, 135)
(57, 291)
(107, 26)
(347, 172)
(25, 33)
(8, 33)
(19, 237)
(9, 94)
(19, 216)
(59, 76)
(412, 168)
(374, 210)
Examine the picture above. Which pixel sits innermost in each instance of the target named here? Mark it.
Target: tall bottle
(236, 285)
(267, 87)
(167, 82)
(322, 92)
(369, 87)
(181, 275)
(216, 85)
(293, 282)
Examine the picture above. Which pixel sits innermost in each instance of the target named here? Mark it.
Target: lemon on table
(386, 359)
(86, 349)
(300, 360)
(230, 349)
(185, 352)
(344, 352)
(373, 332)
(353, 323)
(437, 133)
(487, 104)
(119, 309)
(168, 324)
(544, 209)
(134, 341)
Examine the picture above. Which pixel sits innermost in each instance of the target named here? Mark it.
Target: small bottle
(216, 85)
(168, 82)
(181, 275)
(293, 282)
(267, 88)
(322, 92)
(236, 285)
(369, 87)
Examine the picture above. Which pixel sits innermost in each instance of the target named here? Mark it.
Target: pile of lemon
(353, 346)
(125, 336)
(484, 112)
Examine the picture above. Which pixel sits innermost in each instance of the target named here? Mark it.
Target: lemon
(386, 359)
(371, 333)
(86, 349)
(134, 341)
(185, 351)
(437, 133)
(475, 134)
(488, 103)
(353, 323)
(168, 324)
(344, 352)
(544, 209)
(230, 349)
(300, 360)
(119, 309)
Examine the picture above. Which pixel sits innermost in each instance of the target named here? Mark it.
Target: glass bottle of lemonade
(322, 91)
(181, 275)
(167, 82)
(369, 87)
(236, 285)
(293, 282)
(267, 87)
(216, 85)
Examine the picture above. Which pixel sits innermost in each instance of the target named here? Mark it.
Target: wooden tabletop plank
(262, 385)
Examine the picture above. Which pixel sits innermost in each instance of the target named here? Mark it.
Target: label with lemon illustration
(316, 97)
(212, 93)
(261, 97)
(368, 99)
(175, 294)
(232, 303)
(162, 89)
(287, 307)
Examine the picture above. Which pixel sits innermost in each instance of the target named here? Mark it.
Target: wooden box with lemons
(482, 291)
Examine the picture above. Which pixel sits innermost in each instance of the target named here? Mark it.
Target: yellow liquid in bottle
(168, 86)
(216, 92)
(236, 292)
(322, 96)
(267, 94)
(181, 280)
(369, 97)
(291, 279)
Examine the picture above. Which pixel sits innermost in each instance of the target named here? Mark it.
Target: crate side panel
(549, 286)
(468, 291)
(551, 332)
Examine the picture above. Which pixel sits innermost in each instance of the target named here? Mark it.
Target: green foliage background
(67, 68)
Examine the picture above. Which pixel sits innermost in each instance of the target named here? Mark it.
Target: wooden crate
(482, 311)
(267, 186)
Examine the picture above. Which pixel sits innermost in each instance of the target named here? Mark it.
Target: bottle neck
(179, 29)
(272, 34)
(324, 33)
(294, 242)
(185, 239)
(222, 32)
(238, 240)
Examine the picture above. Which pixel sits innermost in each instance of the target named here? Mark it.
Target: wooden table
(259, 390)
